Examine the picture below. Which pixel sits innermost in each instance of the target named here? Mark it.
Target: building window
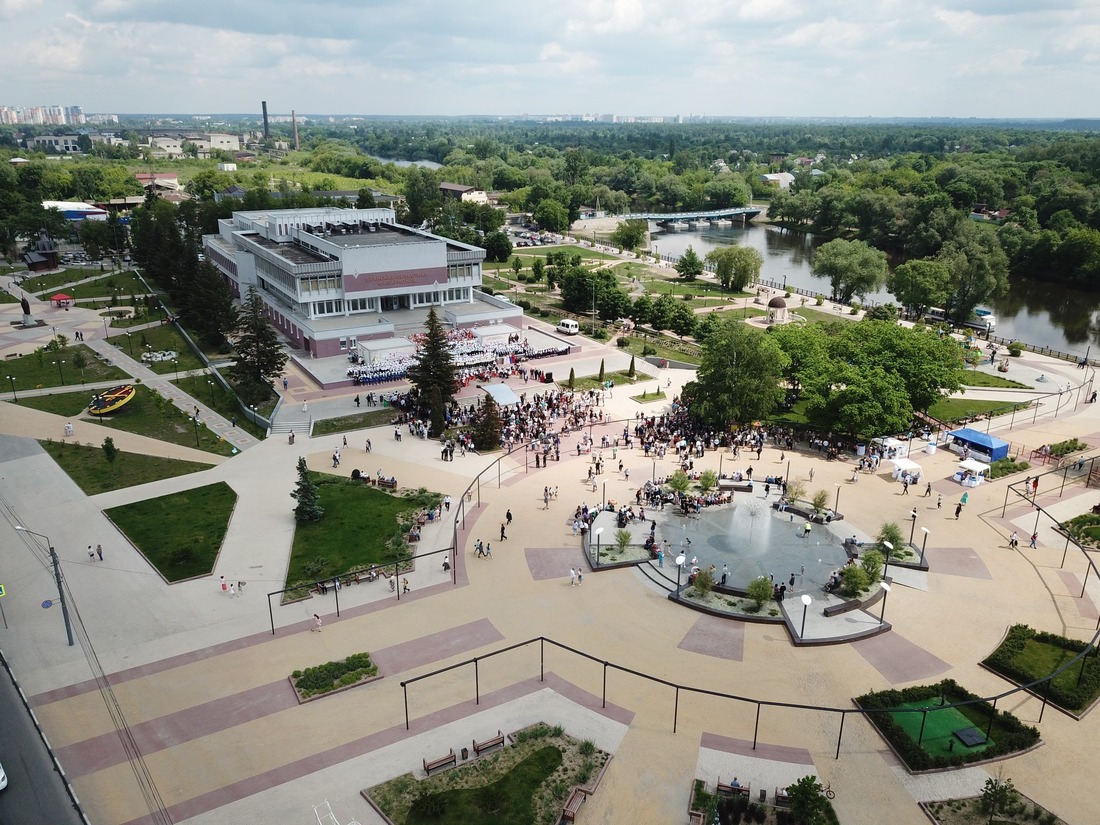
(343, 343)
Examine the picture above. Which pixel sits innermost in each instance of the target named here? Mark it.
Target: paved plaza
(201, 681)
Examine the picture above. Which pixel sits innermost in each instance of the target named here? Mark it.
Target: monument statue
(28, 320)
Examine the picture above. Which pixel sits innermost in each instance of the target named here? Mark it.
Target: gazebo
(61, 299)
(777, 311)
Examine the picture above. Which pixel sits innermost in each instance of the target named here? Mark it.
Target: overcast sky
(963, 58)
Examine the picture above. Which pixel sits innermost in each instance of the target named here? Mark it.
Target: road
(35, 792)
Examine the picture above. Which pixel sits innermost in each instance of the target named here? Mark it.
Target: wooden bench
(781, 797)
(488, 743)
(573, 805)
(443, 761)
(389, 485)
(734, 790)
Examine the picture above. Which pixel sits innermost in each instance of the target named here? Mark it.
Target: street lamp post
(889, 548)
(130, 339)
(885, 593)
(805, 606)
(59, 362)
(599, 530)
(680, 559)
(14, 397)
(195, 421)
(211, 383)
(913, 528)
(605, 493)
(923, 545)
(57, 578)
(176, 365)
(836, 507)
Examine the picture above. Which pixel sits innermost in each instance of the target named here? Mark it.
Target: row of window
(319, 283)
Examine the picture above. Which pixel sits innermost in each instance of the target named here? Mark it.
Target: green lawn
(677, 288)
(952, 409)
(7, 298)
(649, 397)
(40, 370)
(1025, 656)
(974, 378)
(939, 727)
(93, 473)
(637, 342)
(816, 316)
(158, 339)
(143, 415)
(620, 377)
(126, 281)
(507, 801)
(354, 532)
(376, 417)
(179, 534)
(209, 392)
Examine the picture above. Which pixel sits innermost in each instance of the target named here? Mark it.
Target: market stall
(979, 442)
(904, 469)
(891, 448)
(971, 473)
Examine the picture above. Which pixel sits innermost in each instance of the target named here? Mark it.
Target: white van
(569, 326)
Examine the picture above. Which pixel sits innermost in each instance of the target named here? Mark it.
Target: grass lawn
(143, 415)
(207, 391)
(1025, 656)
(952, 409)
(158, 339)
(377, 417)
(93, 473)
(974, 378)
(677, 288)
(355, 530)
(7, 298)
(508, 800)
(179, 534)
(939, 727)
(637, 342)
(105, 283)
(649, 397)
(592, 382)
(816, 316)
(30, 373)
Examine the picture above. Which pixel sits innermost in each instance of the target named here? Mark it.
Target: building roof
(457, 187)
(777, 303)
(504, 395)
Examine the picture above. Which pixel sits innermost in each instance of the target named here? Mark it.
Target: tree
(260, 355)
(860, 401)
(550, 215)
(622, 540)
(978, 266)
(110, 451)
(679, 482)
(704, 582)
(422, 196)
(852, 267)
(630, 234)
(631, 372)
(498, 247)
(209, 309)
(920, 284)
(516, 265)
(305, 493)
(708, 480)
(871, 561)
(738, 378)
(96, 238)
(433, 373)
(487, 425)
(572, 379)
(735, 266)
(759, 590)
(808, 802)
(365, 199)
(538, 268)
(997, 794)
(690, 266)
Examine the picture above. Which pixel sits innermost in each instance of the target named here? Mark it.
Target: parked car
(3, 778)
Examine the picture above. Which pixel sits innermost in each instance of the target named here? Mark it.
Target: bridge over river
(733, 213)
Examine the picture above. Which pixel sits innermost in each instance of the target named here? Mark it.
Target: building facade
(331, 278)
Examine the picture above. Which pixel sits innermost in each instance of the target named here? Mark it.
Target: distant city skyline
(634, 58)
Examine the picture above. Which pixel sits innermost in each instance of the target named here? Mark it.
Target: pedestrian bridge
(734, 213)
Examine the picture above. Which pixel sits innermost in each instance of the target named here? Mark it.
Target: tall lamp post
(885, 593)
(59, 362)
(913, 528)
(57, 578)
(889, 548)
(836, 507)
(195, 421)
(805, 606)
(923, 545)
(597, 533)
(14, 397)
(176, 364)
(130, 339)
(680, 559)
(211, 383)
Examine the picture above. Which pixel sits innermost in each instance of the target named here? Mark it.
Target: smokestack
(294, 119)
(267, 128)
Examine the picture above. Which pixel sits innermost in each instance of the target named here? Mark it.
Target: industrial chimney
(294, 119)
(267, 128)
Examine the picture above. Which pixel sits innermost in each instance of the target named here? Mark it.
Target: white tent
(886, 444)
(971, 473)
(974, 466)
(905, 467)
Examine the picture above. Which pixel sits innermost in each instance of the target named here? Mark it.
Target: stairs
(299, 427)
(657, 575)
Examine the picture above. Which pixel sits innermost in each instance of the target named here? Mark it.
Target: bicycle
(828, 791)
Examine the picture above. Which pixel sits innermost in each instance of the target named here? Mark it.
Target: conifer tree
(308, 509)
(433, 374)
(260, 355)
(487, 425)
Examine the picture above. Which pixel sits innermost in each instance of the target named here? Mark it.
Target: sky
(754, 58)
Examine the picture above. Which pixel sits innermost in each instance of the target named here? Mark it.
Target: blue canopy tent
(992, 446)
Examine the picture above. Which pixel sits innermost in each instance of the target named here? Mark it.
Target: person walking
(905, 486)
(1034, 538)
(939, 501)
(958, 510)
(572, 577)
(232, 589)
(811, 475)
(806, 530)
(503, 535)
(357, 400)
(316, 624)
(99, 551)
(404, 585)
(368, 445)
(545, 498)
(928, 490)
(1013, 541)
(508, 517)
(91, 553)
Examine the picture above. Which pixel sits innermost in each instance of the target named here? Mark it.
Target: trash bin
(930, 448)
(548, 378)
(861, 449)
(465, 754)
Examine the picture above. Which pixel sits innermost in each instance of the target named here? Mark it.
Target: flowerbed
(315, 681)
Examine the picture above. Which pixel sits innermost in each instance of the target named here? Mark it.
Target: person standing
(368, 445)
(1013, 541)
(790, 583)
(545, 498)
(503, 535)
(806, 528)
(404, 585)
(91, 553)
(232, 589)
(572, 577)
(811, 475)
(928, 490)
(99, 551)
(357, 400)
(905, 486)
(958, 510)
(316, 624)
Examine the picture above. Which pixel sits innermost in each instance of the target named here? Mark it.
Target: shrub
(488, 290)
(759, 590)
(1006, 467)
(1016, 349)
(820, 500)
(795, 490)
(588, 747)
(522, 277)
(819, 300)
(110, 451)
(704, 582)
(624, 342)
(1064, 448)
(331, 675)
(853, 581)
(871, 562)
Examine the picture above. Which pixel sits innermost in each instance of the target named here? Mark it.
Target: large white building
(334, 278)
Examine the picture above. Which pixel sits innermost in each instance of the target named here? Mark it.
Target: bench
(443, 761)
(488, 743)
(734, 790)
(576, 799)
(781, 797)
(389, 485)
(697, 818)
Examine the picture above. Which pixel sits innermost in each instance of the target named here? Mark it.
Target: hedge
(1075, 698)
(332, 675)
(1012, 736)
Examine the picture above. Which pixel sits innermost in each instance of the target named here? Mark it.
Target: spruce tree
(631, 372)
(305, 494)
(601, 371)
(487, 425)
(572, 379)
(433, 373)
(260, 355)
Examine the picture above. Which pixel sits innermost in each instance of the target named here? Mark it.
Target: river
(1042, 314)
